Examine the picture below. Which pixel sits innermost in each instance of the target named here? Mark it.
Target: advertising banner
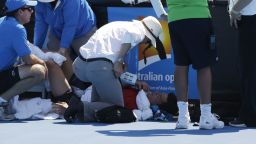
(158, 73)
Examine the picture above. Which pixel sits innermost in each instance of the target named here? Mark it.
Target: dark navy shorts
(191, 42)
(8, 78)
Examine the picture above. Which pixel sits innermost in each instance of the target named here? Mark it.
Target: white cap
(46, 1)
(13, 5)
(152, 24)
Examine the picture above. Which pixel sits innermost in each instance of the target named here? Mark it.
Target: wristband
(129, 78)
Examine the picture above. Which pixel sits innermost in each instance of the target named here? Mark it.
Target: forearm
(40, 30)
(158, 7)
(71, 20)
(32, 59)
(118, 63)
(123, 51)
(67, 38)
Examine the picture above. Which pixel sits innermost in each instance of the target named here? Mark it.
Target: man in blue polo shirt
(70, 22)
(13, 44)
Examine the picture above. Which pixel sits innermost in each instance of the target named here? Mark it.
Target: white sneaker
(210, 122)
(142, 101)
(183, 122)
(138, 114)
(146, 114)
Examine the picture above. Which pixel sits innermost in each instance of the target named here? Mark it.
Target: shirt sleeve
(20, 44)
(71, 17)
(41, 27)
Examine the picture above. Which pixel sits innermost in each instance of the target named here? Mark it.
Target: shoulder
(121, 25)
(40, 6)
(13, 26)
(19, 28)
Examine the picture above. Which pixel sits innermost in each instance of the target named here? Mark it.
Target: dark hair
(3, 8)
(12, 13)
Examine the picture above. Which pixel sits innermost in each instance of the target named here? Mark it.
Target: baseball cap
(13, 5)
(153, 28)
(46, 1)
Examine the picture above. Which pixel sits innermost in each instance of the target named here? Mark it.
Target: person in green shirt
(191, 31)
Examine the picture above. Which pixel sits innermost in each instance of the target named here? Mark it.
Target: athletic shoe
(142, 115)
(210, 122)
(237, 123)
(146, 114)
(138, 114)
(183, 122)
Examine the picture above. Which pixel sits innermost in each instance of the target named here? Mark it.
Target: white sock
(183, 108)
(2, 100)
(205, 109)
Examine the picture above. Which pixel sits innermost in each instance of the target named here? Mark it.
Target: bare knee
(51, 64)
(38, 72)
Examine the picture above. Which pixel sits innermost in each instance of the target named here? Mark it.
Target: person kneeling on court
(101, 63)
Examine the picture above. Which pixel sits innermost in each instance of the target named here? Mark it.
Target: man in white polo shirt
(243, 17)
(101, 62)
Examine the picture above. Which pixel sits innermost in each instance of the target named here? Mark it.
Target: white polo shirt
(250, 9)
(106, 41)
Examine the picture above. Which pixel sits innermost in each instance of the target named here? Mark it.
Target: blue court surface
(59, 132)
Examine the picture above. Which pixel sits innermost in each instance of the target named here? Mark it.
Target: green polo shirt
(185, 9)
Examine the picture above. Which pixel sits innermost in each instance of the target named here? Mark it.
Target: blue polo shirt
(13, 42)
(70, 19)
